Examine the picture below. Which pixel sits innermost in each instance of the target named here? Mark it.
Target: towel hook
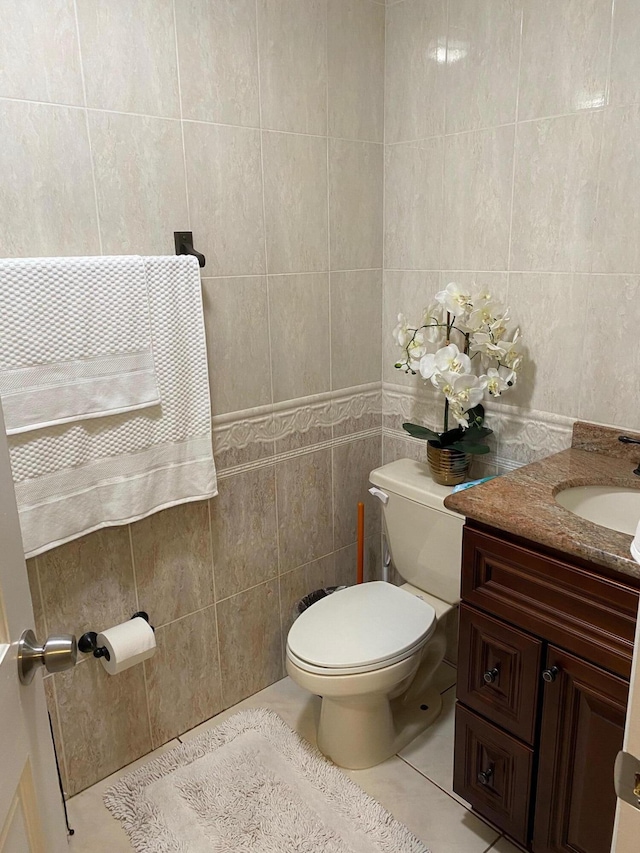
(184, 246)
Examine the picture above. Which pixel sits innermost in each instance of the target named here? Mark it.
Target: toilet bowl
(370, 651)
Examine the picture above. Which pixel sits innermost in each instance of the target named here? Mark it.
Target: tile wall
(258, 125)
(512, 159)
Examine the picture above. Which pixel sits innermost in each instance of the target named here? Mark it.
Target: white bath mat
(251, 785)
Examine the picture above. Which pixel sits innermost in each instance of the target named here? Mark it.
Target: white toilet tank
(424, 538)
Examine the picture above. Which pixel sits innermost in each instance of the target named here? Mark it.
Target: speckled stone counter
(523, 501)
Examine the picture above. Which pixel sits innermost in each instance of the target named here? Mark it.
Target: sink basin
(614, 507)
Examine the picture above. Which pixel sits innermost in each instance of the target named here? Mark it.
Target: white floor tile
(431, 753)
(435, 817)
(96, 831)
(503, 845)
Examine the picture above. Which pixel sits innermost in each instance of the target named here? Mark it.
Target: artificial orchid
(484, 361)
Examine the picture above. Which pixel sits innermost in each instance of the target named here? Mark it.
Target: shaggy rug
(251, 785)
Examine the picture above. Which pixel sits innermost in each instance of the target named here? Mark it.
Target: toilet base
(357, 732)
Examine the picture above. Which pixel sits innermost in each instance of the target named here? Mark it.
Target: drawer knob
(551, 674)
(491, 675)
(485, 776)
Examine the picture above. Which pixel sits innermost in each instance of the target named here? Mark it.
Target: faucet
(625, 439)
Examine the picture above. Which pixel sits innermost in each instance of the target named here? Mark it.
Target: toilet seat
(360, 629)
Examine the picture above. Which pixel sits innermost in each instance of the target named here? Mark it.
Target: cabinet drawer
(492, 771)
(591, 615)
(498, 672)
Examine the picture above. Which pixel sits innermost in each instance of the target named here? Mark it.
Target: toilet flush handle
(378, 493)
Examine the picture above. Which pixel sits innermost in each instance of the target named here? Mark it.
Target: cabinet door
(582, 730)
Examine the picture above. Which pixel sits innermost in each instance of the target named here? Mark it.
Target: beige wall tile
(237, 327)
(616, 247)
(244, 531)
(218, 56)
(483, 52)
(478, 176)
(356, 69)
(356, 323)
(52, 707)
(413, 205)
(407, 293)
(416, 47)
(47, 204)
(39, 55)
(224, 181)
(308, 425)
(555, 193)
(250, 642)
(355, 204)
(173, 562)
(295, 198)
(611, 361)
(88, 584)
(129, 56)
(228, 453)
(299, 318)
(103, 719)
(303, 492)
(551, 310)
(352, 464)
(139, 172)
(347, 561)
(40, 624)
(296, 584)
(183, 677)
(292, 38)
(625, 58)
(565, 52)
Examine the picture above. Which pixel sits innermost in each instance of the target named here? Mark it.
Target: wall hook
(184, 246)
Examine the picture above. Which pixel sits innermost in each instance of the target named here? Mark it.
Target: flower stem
(446, 414)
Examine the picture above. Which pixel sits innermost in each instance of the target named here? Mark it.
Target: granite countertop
(522, 502)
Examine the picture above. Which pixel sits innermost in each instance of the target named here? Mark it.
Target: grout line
(86, 121)
(184, 149)
(515, 145)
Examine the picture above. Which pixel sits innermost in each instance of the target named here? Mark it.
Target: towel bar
(184, 246)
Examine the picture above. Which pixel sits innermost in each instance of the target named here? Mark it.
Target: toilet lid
(361, 626)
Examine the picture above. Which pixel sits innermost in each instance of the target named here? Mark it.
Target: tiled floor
(415, 786)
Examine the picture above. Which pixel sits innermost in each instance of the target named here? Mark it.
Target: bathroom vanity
(547, 622)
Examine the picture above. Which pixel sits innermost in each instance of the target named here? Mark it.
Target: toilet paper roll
(127, 644)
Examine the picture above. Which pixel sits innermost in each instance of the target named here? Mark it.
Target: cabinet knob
(485, 776)
(551, 674)
(491, 675)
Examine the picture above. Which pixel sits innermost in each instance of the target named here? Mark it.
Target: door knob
(551, 674)
(58, 653)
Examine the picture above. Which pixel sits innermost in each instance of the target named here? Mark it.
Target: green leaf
(475, 433)
(421, 432)
(474, 449)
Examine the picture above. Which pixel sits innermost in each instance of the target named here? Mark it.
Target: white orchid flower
(498, 380)
(433, 320)
(459, 415)
(401, 334)
(512, 352)
(449, 359)
(427, 367)
(468, 390)
(482, 315)
(456, 300)
(483, 342)
(416, 349)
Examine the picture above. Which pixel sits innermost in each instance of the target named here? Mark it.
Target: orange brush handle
(360, 564)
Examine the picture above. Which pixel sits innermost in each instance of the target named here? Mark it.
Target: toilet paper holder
(88, 643)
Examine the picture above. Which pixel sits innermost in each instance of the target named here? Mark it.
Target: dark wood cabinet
(544, 659)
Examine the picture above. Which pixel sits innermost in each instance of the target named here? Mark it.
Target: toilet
(370, 651)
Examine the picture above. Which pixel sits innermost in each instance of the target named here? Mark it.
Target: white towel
(73, 479)
(75, 340)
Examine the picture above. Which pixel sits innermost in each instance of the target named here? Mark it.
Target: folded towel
(76, 340)
(72, 479)
(462, 486)
(635, 545)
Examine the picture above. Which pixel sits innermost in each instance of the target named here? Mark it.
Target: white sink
(614, 507)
